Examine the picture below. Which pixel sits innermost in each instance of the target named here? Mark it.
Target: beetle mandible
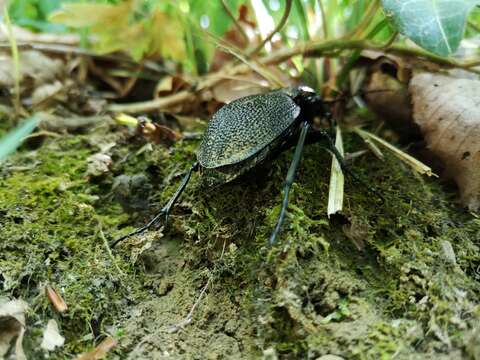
(251, 129)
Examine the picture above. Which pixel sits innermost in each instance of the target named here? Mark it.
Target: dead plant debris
(447, 110)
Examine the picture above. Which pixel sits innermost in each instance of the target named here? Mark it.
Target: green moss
(51, 235)
(374, 282)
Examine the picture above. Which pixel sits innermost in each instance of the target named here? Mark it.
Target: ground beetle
(250, 130)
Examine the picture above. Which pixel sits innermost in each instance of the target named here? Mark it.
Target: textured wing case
(244, 127)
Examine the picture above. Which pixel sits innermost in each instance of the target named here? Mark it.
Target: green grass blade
(12, 140)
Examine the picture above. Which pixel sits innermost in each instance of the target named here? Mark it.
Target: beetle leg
(165, 210)
(289, 179)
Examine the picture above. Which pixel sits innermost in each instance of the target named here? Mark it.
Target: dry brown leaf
(100, 351)
(171, 84)
(12, 325)
(157, 133)
(405, 63)
(386, 92)
(57, 301)
(447, 111)
(164, 86)
(377, 60)
(357, 233)
(48, 91)
(35, 67)
(389, 99)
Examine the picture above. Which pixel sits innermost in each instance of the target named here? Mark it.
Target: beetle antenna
(341, 160)
(164, 212)
(358, 93)
(289, 179)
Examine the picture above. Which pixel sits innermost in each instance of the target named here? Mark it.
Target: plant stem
(283, 20)
(313, 49)
(239, 27)
(324, 19)
(15, 59)
(367, 20)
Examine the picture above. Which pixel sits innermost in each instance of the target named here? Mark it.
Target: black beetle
(250, 130)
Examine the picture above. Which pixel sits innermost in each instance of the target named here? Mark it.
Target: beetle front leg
(164, 212)
(289, 179)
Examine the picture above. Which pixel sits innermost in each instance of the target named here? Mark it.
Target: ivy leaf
(435, 25)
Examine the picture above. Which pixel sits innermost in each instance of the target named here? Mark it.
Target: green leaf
(15, 137)
(435, 25)
(33, 14)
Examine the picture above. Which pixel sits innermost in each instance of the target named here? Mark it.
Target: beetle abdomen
(244, 127)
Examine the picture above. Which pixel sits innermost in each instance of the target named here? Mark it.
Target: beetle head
(304, 95)
(306, 89)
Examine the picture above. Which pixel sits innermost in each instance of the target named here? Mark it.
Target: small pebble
(448, 252)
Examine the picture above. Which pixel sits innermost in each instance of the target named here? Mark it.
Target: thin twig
(109, 251)
(15, 58)
(223, 44)
(188, 319)
(42, 133)
(153, 105)
(229, 48)
(56, 48)
(260, 69)
(367, 19)
(391, 40)
(237, 24)
(283, 20)
(111, 81)
(69, 49)
(132, 80)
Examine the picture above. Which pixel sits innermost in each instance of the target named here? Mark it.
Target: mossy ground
(378, 281)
